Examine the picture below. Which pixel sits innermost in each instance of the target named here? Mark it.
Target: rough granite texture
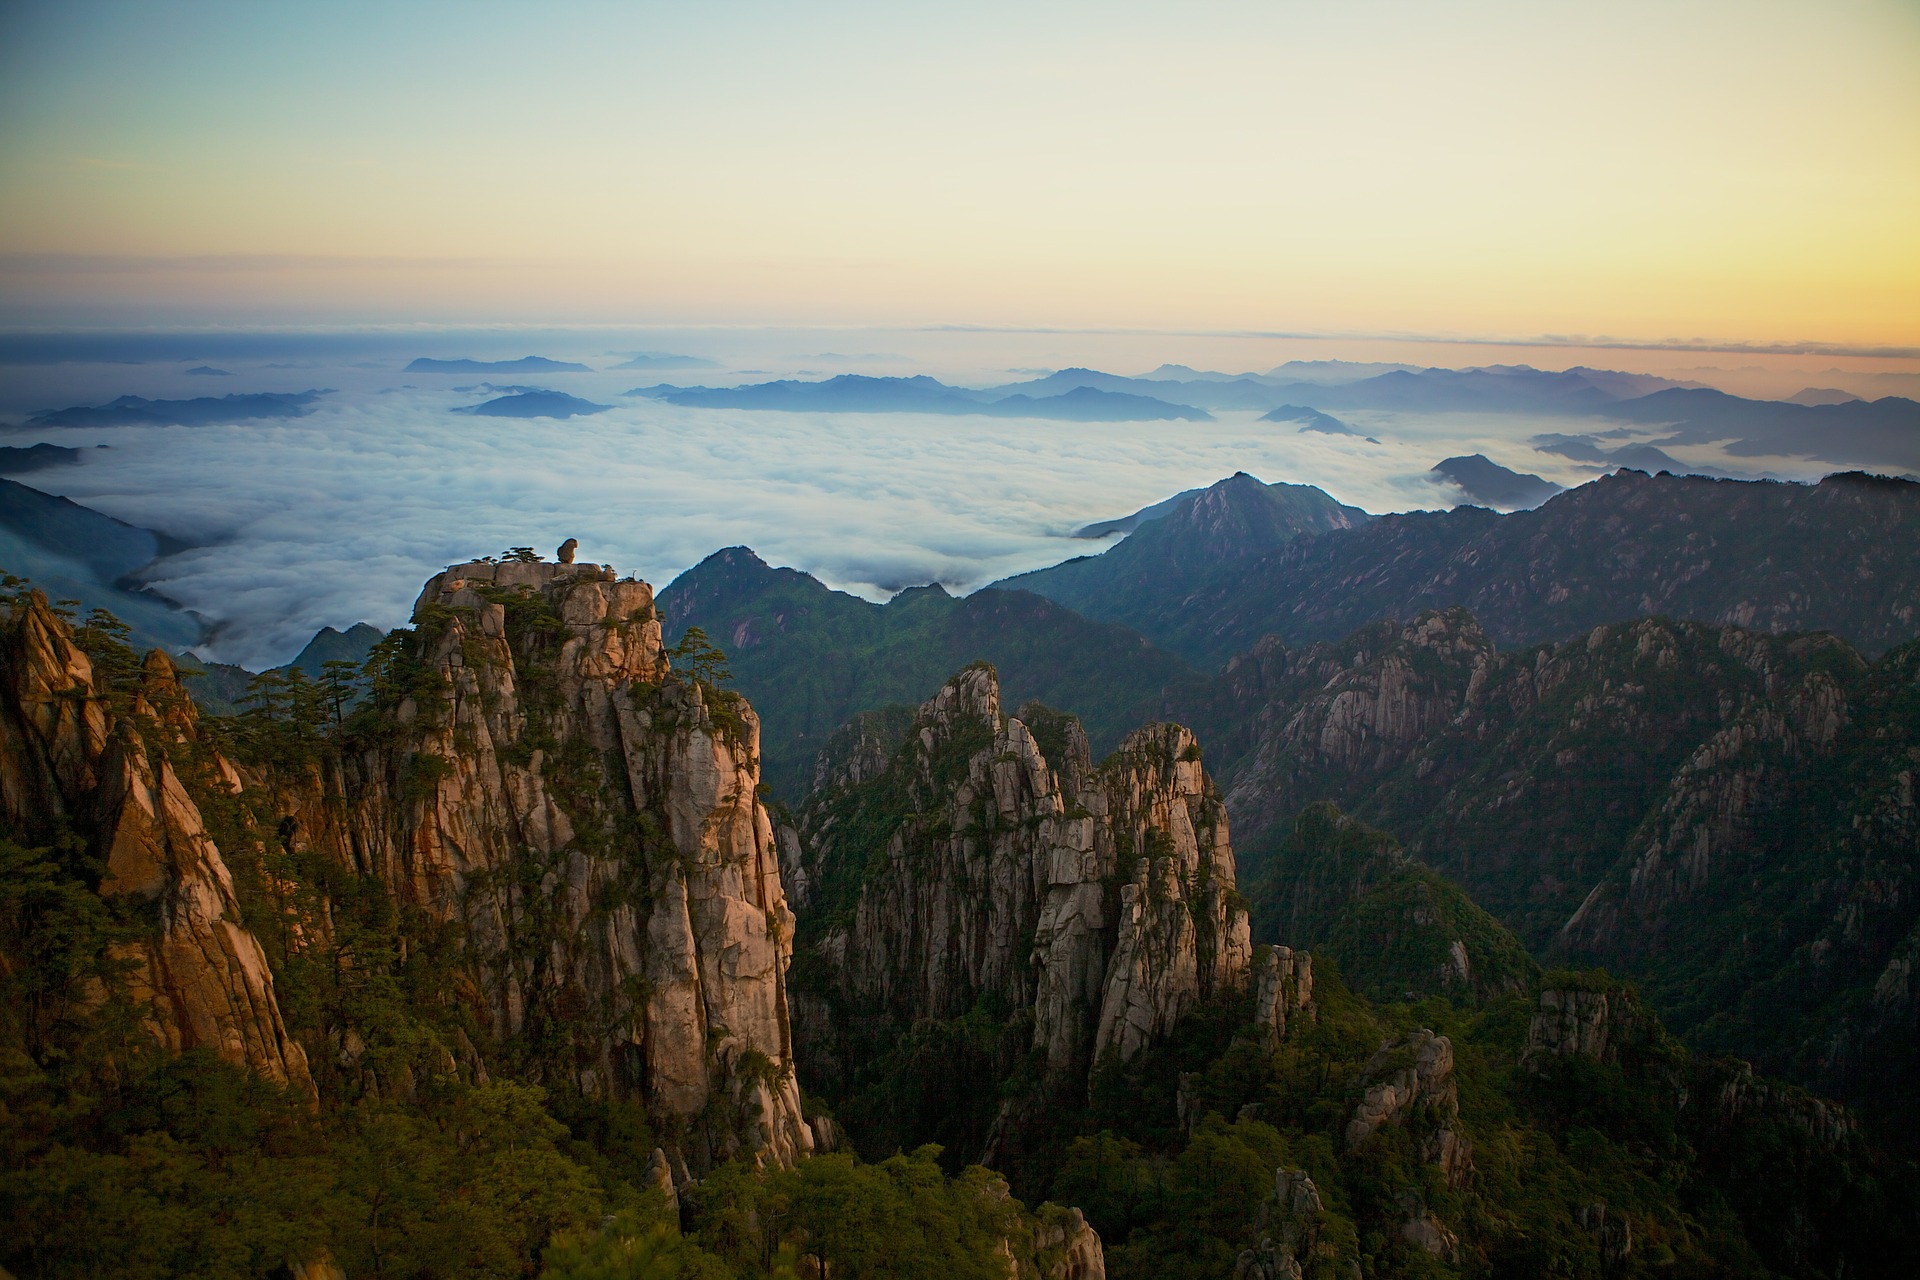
(1414, 1076)
(1100, 898)
(629, 842)
(67, 759)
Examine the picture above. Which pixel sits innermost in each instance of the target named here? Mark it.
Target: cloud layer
(339, 516)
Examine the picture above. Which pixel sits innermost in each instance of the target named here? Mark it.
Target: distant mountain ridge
(1843, 554)
(18, 460)
(138, 411)
(810, 658)
(220, 688)
(533, 403)
(860, 393)
(1487, 483)
(1228, 522)
(1882, 433)
(525, 364)
(75, 552)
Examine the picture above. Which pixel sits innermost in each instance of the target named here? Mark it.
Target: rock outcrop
(1581, 1021)
(79, 757)
(1291, 1223)
(1066, 1247)
(1410, 1082)
(1282, 991)
(978, 864)
(587, 816)
(1633, 799)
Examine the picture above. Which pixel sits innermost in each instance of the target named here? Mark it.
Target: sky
(1738, 172)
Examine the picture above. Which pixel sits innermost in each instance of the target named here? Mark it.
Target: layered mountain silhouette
(74, 552)
(525, 364)
(810, 657)
(1487, 483)
(858, 393)
(1843, 555)
(535, 404)
(138, 411)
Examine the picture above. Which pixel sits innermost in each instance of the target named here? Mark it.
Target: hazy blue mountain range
(1843, 554)
(535, 404)
(810, 658)
(208, 371)
(1821, 395)
(1092, 404)
(1127, 524)
(1330, 371)
(1210, 392)
(1881, 433)
(220, 688)
(665, 360)
(136, 411)
(75, 552)
(15, 460)
(1876, 433)
(1321, 371)
(1591, 449)
(858, 393)
(1488, 484)
(1229, 523)
(525, 364)
(1309, 420)
(1496, 388)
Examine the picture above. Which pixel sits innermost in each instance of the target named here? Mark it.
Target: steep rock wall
(76, 762)
(587, 816)
(1099, 900)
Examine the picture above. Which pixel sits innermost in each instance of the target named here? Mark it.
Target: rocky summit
(977, 864)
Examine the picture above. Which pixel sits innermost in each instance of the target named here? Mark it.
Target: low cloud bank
(338, 516)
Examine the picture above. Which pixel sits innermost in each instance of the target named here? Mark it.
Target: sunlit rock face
(588, 817)
(977, 863)
(75, 763)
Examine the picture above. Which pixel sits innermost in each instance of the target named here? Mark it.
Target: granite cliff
(980, 866)
(532, 786)
(99, 771)
(585, 815)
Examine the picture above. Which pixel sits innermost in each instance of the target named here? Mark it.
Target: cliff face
(77, 762)
(586, 816)
(533, 789)
(1412, 1078)
(980, 864)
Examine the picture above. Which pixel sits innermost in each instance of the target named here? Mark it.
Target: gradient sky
(1742, 171)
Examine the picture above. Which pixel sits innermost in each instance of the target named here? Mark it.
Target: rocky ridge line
(1100, 899)
(72, 762)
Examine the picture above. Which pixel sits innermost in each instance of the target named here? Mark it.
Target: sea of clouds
(339, 516)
